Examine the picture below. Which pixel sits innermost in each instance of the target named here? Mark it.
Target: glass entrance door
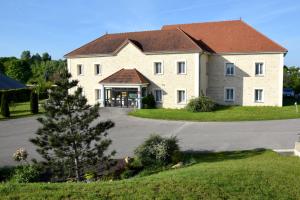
(121, 97)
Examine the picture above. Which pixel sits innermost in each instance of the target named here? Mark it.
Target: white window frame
(177, 96)
(176, 67)
(225, 69)
(162, 67)
(263, 70)
(82, 69)
(100, 69)
(262, 95)
(82, 90)
(225, 94)
(154, 91)
(97, 98)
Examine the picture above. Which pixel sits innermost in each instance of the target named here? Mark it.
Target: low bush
(26, 174)
(157, 151)
(5, 105)
(6, 173)
(148, 101)
(201, 104)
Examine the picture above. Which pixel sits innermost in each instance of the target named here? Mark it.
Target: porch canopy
(123, 88)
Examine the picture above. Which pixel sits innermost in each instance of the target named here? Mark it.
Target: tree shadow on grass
(209, 156)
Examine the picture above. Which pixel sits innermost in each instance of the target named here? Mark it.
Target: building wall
(245, 80)
(130, 57)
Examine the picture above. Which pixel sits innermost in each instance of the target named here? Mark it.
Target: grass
(223, 113)
(232, 175)
(19, 110)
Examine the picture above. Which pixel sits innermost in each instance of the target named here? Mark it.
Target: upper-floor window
(229, 94)
(259, 69)
(181, 67)
(158, 68)
(181, 96)
(229, 69)
(97, 69)
(79, 69)
(158, 95)
(258, 95)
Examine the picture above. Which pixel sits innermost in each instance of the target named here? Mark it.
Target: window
(229, 94)
(97, 69)
(97, 94)
(259, 69)
(79, 69)
(181, 68)
(158, 95)
(158, 68)
(229, 69)
(181, 98)
(258, 95)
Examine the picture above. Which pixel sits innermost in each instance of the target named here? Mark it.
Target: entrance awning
(126, 76)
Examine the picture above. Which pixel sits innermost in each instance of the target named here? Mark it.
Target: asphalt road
(129, 132)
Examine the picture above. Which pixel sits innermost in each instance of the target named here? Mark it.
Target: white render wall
(245, 81)
(211, 81)
(130, 57)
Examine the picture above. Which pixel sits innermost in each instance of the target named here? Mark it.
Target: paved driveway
(129, 132)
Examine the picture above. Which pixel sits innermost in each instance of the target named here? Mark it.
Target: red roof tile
(146, 41)
(126, 76)
(228, 37)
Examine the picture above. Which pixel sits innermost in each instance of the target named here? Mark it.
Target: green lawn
(231, 175)
(229, 113)
(18, 110)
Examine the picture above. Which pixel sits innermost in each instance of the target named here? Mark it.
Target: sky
(59, 26)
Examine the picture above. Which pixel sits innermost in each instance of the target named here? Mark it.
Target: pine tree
(5, 104)
(67, 140)
(34, 102)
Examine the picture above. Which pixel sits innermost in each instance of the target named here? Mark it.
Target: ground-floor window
(229, 94)
(97, 94)
(181, 96)
(258, 95)
(158, 95)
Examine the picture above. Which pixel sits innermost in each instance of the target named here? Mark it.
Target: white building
(229, 61)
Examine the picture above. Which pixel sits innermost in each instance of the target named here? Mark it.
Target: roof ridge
(194, 23)
(263, 35)
(145, 31)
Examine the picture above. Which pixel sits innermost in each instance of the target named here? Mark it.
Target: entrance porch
(124, 88)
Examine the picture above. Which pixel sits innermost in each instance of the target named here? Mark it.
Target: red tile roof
(146, 41)
(234, 36)
(126, 76)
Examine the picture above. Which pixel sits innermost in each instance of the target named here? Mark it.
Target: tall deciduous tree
(68, 138)
(46, 57)
(26, 55)
(19, 70)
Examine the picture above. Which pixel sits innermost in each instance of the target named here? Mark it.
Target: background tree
(36, 58)
(46, 57)
(26, 55)
(68, 139)
(291, 78)
(19, 70)
(5, 104)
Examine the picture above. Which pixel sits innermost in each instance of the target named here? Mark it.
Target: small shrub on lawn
(157, 151)
(26, 174)
(34, 102)
(148, 101)
(5, 105)
(201, 104)
(6, 173)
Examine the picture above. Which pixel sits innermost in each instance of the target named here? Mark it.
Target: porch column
(102, 96)
(139, 97)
